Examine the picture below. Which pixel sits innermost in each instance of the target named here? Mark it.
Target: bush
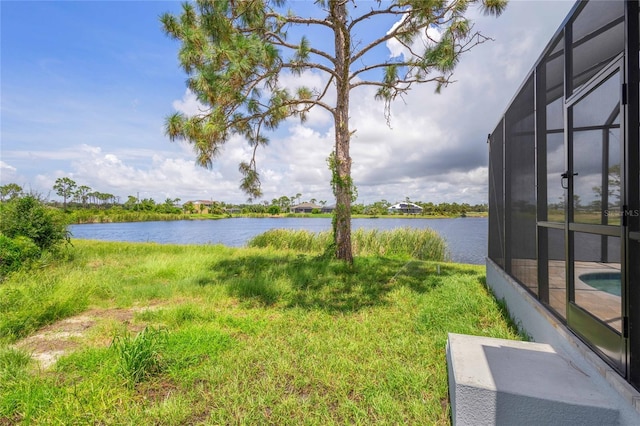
(273, 210)
(29, 217)
(14, 252)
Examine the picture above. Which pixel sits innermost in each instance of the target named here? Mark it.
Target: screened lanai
(564, 203)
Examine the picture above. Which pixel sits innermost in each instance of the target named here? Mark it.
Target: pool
(605, 281)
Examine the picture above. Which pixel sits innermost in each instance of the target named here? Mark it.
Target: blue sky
(85, 87)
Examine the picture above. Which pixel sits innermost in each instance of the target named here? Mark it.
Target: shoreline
(155, 217)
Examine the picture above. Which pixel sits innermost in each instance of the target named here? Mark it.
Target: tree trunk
(343, 185)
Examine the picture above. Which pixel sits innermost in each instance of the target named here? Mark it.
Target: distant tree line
(78, 197)
(381, 208)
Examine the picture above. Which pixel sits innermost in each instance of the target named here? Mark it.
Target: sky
(85, 87)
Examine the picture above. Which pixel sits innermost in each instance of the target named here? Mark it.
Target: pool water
(605, 281)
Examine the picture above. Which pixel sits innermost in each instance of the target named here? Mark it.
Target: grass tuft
(13, 362)
(139, 357)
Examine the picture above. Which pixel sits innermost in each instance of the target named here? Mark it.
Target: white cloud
(418, 46)
(8, 174)
(6, 168)
(167, 177)
(189, 104)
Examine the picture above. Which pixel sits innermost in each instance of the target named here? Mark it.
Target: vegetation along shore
(82, 204)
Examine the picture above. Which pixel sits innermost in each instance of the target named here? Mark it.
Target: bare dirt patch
(53, 341)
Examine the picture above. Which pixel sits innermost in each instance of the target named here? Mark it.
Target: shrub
(14, 252)
(29, 217)
(273, 210)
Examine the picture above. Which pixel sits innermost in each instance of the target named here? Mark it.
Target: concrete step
(505, 382)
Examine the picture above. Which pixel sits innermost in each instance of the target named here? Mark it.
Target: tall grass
(92, 216)
(12, 363)
(421, 244)
(32, 299)
(291, 239)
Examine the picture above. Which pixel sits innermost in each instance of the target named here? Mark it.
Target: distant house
(327, 209)
(310, 207)
(405, 208)
(305, 208)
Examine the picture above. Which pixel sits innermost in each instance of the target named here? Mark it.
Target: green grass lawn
(218, 335)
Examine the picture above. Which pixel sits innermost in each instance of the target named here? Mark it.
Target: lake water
(466, 237)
